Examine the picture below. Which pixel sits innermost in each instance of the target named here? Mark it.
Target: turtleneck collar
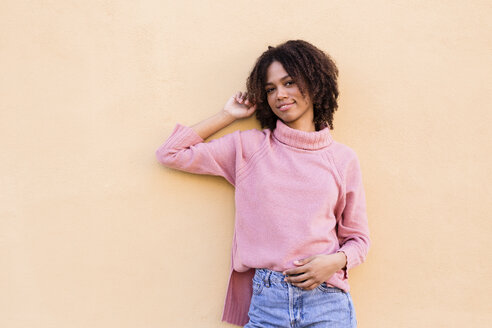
(302, 139)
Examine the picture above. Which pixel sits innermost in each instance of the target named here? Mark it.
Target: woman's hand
(314, 270)
(238, 106)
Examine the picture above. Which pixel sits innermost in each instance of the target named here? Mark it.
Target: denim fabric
(276, 303)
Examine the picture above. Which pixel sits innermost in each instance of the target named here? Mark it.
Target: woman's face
(286, 101)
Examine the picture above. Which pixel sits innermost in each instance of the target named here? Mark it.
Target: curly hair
(313, 70)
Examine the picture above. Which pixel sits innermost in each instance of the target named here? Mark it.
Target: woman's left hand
(314, 270)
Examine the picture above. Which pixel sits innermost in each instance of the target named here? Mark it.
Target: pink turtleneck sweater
(297, 194)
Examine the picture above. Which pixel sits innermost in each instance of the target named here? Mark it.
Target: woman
(300, 205)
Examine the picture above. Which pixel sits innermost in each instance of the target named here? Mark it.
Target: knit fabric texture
(297, 194)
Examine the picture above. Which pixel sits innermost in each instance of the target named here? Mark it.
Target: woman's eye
(289, 82)
(269, 90)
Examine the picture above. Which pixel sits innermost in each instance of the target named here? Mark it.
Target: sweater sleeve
(352, 226)
(185, 150)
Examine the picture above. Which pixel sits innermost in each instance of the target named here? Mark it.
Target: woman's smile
(284, 107)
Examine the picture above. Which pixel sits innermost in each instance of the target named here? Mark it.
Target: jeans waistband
(270, 276)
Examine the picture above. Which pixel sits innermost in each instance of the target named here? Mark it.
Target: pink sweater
(297, 194)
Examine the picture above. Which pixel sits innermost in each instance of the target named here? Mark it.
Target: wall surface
(94, 232)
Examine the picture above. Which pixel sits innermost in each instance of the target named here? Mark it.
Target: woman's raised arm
(186, 150)
(235, 108)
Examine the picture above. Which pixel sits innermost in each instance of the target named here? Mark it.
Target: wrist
(227, 117)
(343, 259)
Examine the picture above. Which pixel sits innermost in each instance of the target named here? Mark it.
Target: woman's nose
(281, 92)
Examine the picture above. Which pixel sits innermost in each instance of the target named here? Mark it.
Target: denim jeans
(276, 303)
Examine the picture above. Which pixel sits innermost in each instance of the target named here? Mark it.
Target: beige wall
(95, 233)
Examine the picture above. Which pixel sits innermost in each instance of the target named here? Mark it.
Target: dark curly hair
(312, 69)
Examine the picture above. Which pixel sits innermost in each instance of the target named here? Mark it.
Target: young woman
(301, 219)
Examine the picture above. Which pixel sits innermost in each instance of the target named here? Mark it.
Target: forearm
(213, 124)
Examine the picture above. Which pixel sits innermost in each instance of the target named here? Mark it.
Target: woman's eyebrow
(283, 78)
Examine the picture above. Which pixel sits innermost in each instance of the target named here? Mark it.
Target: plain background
(94, 232)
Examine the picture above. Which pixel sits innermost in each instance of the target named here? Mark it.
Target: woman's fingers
(312, 286)
(303, 284)
(303, 280)
(298, 278)
(240, 97)
(308, 284)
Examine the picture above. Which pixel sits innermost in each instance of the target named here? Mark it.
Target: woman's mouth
(285, 107)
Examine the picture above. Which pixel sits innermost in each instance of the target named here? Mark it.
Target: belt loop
(267, 278)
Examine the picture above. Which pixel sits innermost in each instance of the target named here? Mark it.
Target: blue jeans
(276, 303)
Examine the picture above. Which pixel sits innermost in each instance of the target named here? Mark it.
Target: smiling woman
(300, 205)
(286, 101)
(297, 64)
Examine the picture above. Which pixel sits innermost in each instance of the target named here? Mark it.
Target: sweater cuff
(183, 131)
(181, 135)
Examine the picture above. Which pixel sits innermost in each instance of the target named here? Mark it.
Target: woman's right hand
(238, 106)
